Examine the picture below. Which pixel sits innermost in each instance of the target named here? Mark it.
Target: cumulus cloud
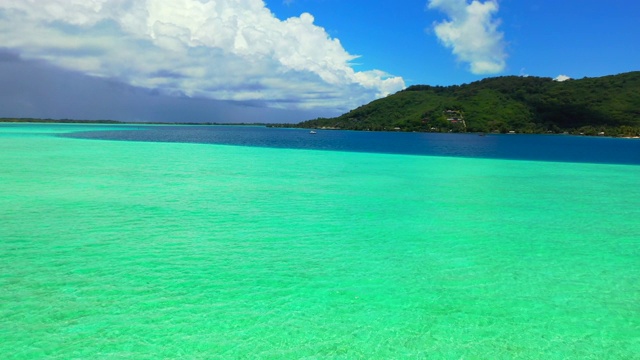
(562, 78)
(472, 33)
(218, 49)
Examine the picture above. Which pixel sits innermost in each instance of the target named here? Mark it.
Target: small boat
(312, 132)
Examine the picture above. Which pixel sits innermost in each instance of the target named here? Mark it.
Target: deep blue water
(561, 148)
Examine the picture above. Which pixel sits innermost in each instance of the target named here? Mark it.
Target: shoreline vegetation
(601, 131)
(604, 106)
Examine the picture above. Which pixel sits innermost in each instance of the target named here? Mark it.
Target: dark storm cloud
(37, 89)
(7, 56)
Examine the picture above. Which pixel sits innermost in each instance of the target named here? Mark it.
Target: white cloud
(562, 78)
(220, 49)
(472, 33)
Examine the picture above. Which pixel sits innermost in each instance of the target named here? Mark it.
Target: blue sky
(547, 38)
(287, 60)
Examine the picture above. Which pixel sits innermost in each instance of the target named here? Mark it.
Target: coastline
(291, 126)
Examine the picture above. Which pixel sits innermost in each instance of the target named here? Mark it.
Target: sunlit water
(122, 249)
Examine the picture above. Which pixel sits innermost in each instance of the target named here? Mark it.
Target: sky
(288, 60)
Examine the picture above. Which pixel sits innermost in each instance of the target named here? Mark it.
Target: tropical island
(605, 106)
(608, 105)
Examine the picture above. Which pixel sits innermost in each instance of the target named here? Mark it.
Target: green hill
(609, 104)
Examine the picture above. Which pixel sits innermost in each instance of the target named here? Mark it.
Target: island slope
(606, 105)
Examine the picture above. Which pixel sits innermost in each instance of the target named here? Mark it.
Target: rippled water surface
(143, 249)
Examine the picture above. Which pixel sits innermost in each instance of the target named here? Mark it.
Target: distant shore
(115, 122)
(277, 125)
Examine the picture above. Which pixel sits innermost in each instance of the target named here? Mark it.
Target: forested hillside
(609, 104)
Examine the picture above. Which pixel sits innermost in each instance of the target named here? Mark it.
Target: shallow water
(167, 250)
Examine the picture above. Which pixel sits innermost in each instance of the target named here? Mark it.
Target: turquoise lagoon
(148, 250)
